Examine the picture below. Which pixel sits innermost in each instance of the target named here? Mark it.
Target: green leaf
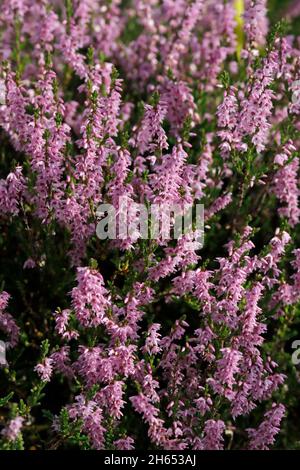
(5, 400)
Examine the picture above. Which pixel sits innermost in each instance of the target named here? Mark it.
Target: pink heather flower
(198, 283)
(168, 178)
(132, 312)
(14, 111)
(94, 366)
(123, 359)
(111, 397)
(286, 189)
(61, 324)
(29, 264)
(213, 439)
(45, 369)
(150, 414)
(286, 153)
(7, 323)
(184, 283)
(72, 156)
(296, 277)
(202, 288)
(152, 340)
(233, 274)
(13, 429)
(219, 204)
(69, 43)
(90, 298)
(46, 153)
(183, 35)
(285, 294)
(177, 332)
(61, 362)
(203, 405)
(249, 317)
(92, 417)
(294, 106)
(180, 256)
(151, 135)
(180, 103)
(149, 384)
(264, 436)
(256, 21)
(200, 174)
(269, 263)
(227, 120)
(4, 298)
(218, 41)
(203, 339)
(117, 187)
(125, 443)
(11, 192)
(256, 109)
(227, 368)
(293, 9)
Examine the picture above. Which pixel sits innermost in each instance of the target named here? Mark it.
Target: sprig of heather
(156, 343)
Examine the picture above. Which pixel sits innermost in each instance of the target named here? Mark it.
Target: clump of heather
(158, 342)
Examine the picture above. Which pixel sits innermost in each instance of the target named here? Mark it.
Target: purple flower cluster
(151, 331)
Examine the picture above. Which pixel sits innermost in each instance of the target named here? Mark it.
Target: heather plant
(149, 343)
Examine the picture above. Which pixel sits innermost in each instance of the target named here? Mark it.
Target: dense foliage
(142, 343)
